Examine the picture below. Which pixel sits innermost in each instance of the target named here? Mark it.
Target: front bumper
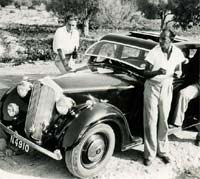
(56, 154)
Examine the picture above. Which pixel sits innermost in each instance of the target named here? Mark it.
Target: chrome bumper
(55, 155)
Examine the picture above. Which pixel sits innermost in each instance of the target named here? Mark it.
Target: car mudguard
(11, 96)
(98, 113)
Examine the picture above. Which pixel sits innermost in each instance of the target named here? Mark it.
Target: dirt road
(185, 160)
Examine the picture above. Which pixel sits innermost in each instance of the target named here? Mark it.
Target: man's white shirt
(66, 41)
(159, 60)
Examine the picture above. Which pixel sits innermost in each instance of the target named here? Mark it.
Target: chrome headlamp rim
(23, 88)
(64, 104)
(12, 109)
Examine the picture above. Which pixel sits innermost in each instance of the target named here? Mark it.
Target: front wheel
(93, 151)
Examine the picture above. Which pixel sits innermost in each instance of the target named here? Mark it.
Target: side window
(130, 52)
(189, 53)
(134, 56)
(108, 50)
(192, 53)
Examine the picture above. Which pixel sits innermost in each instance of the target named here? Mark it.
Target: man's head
(70, 22)
(166, 38)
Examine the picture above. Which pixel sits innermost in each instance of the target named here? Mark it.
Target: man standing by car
(191, 91)
(66, 43)
(161, 63)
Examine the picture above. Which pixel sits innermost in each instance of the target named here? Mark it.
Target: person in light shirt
(66, 43)
(162, 63)
(190, 92)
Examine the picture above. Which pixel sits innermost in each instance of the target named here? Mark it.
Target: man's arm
(60, 54)
(63, 59)
(148, 73)
(178, 71)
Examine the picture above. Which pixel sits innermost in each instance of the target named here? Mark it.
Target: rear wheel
(93, 151)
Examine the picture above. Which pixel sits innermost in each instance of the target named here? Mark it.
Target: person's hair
(70, 17)
(171, 33)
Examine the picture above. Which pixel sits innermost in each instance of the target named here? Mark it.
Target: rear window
(133, 55)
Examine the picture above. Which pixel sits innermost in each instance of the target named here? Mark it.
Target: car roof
(153, 36)
(134, 41)
(189, 44)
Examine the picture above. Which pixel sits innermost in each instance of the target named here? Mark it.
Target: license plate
(19, 143)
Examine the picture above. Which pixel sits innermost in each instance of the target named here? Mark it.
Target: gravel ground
(184, 154)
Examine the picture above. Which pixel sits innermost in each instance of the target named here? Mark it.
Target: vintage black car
(82, 116)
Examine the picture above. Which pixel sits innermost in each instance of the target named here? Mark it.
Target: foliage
(41, 49)
(84, 9)
(185, 13)
(81, 8)
(19, 3)
(38, 49)
(21, 29)
(37, 2)
(28, 3)
(149, 10)
(117, 14)
(4, 3)
(30, 43)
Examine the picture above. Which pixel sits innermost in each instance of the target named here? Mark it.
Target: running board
(139, 141)
(55, 155)
(177, 129)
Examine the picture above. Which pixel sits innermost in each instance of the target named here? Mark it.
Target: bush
(42, 49)
(36, 2)
(20, 29)
(4, 3)
(19, 3)
(37, 50)
(36, 42)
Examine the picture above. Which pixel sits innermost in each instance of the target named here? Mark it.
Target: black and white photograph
(99, 89)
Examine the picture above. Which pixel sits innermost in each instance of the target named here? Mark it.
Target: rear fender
(98, 113)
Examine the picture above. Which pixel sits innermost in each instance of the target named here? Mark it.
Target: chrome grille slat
(39, 111)
(33, 103)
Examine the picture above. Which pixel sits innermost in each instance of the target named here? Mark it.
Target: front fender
(98, 113)
(11, 96)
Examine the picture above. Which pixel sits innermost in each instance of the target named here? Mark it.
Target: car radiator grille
(40, 110)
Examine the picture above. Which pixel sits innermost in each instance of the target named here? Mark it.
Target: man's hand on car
(161, 71)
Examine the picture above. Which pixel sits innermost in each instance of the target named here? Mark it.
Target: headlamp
(64, 104)
(13, 109)
(23, 88)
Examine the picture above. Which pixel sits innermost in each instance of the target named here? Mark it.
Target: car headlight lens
(13, 109)
(64, 104)
(23, 88)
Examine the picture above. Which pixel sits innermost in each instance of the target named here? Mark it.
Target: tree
(184, 13)
(4, 3)
(85, 9)
(20, 3)
(117, 13)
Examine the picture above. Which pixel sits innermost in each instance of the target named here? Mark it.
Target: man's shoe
(165, 159)
(173, 129)
(147, 162)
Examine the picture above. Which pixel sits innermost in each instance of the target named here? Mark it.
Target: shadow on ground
(35, 165)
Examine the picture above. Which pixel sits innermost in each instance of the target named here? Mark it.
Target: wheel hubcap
(94, 150)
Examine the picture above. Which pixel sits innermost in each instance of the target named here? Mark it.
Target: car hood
(82, 82)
